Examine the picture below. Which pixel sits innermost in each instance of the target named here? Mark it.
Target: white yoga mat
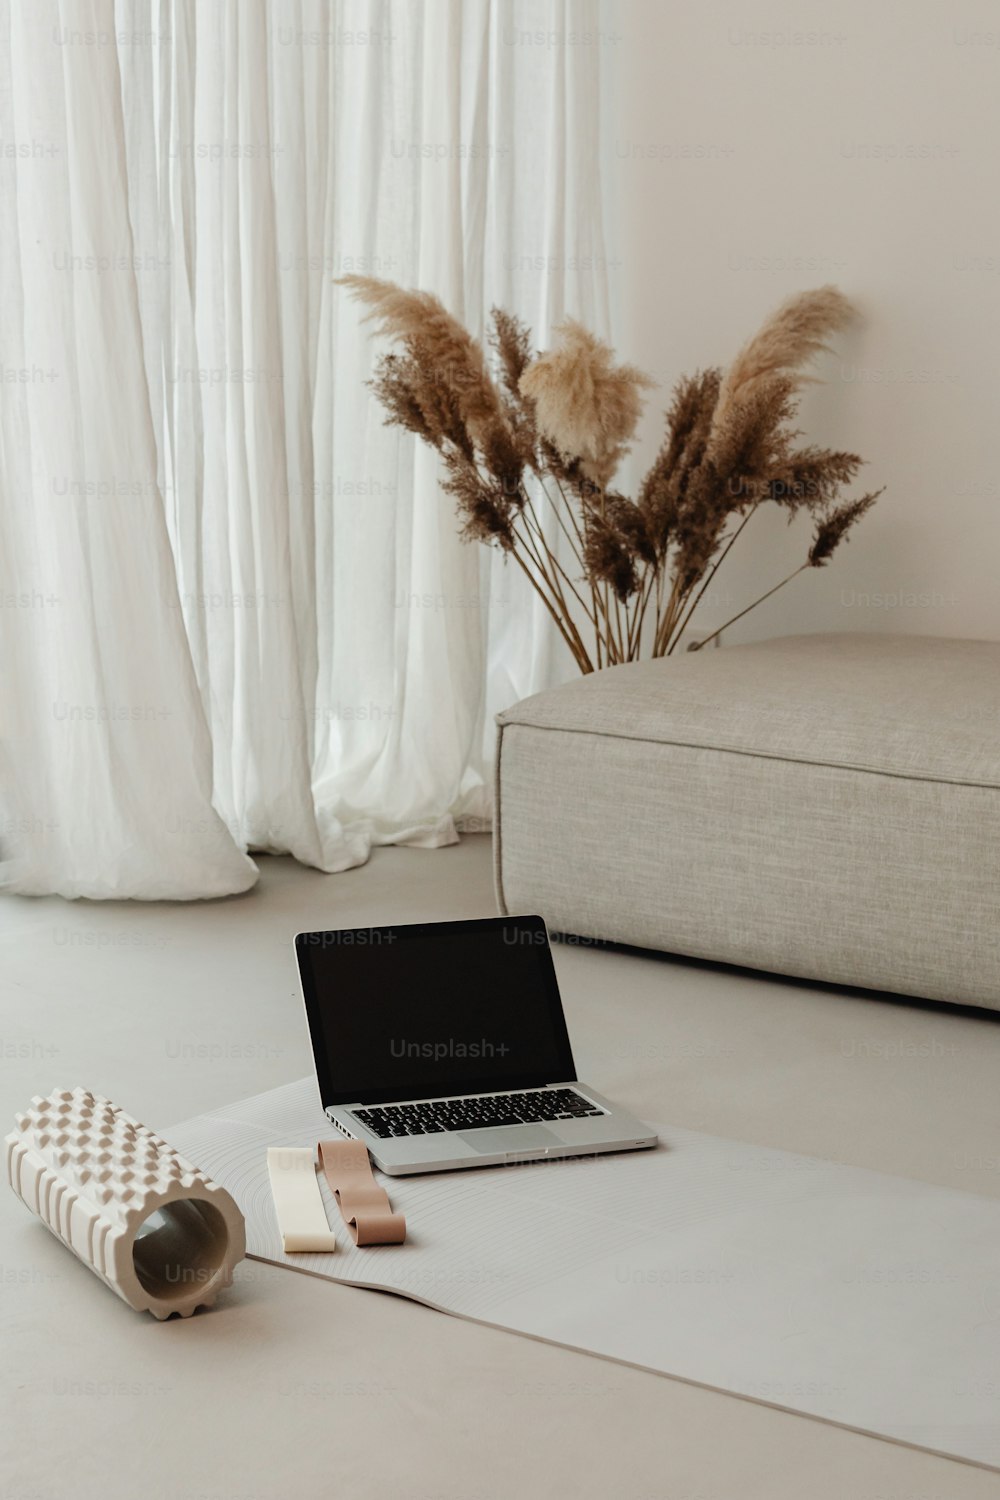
(857, 1298)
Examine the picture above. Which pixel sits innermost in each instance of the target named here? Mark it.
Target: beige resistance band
(299, 1205)
(364, 1205)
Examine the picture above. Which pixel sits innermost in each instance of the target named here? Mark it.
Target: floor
(293, 1386)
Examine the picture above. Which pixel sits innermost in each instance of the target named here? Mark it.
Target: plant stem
(652, 580)
(598, 604)
(665, 624)
(553, 559)
(540, 559)
(621, 635)
(576, 543)
(569, 509)
(777, 586)
(556, 604)
(711, 574)
(576, 647)
(596, 600)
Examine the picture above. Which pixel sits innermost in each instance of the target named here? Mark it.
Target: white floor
(297, 1387)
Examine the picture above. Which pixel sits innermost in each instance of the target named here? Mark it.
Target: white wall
(741, 151)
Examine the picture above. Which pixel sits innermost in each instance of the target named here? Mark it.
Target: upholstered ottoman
(826, 806)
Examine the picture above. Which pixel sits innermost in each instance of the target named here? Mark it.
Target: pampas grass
(587, 406)
(530, 454)
(420, 322)
(792, 336)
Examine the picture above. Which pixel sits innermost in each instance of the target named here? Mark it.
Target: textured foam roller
(154, 1228)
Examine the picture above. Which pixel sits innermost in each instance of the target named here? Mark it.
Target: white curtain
(238, 614)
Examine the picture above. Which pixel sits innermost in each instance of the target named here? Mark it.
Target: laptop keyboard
(473, 1112)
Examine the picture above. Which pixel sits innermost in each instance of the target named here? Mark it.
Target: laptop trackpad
(505, 1138)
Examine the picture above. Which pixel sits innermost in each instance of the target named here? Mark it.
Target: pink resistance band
(364, 1205)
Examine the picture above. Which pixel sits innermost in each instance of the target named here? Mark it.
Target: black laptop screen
(412, 1012)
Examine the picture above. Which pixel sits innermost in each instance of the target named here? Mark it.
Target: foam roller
(148, 1223)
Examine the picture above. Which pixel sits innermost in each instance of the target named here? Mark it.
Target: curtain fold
(280, 571)
(107, 759)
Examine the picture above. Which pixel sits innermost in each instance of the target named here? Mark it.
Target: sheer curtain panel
(240, 615)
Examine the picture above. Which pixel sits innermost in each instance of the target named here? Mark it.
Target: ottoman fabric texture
(825, 806)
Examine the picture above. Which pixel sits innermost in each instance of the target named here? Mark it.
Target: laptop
(443, 1045)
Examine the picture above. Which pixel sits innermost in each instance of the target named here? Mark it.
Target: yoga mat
(861, 1299)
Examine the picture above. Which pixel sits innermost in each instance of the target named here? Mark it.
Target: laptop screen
(412, 1012)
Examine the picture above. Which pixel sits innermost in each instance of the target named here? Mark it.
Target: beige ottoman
(826, 806)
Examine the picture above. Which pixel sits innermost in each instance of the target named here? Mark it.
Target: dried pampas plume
(833, 528)
(512, 342)
(529, 456)
(445, 351)
(791, 337)
(586, 405)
